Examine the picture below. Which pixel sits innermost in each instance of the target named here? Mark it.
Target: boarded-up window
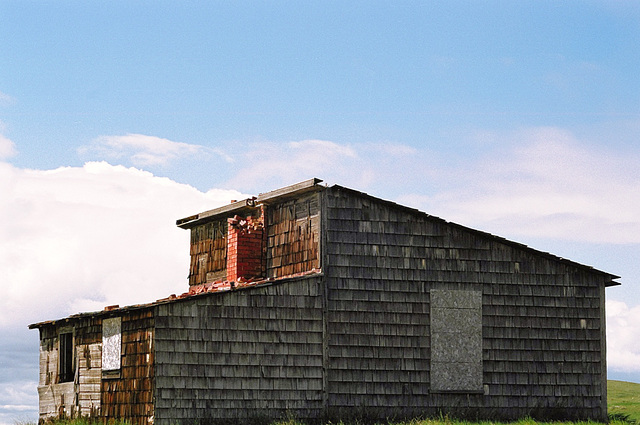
(66, 357)
(111, 343)
(456, 340)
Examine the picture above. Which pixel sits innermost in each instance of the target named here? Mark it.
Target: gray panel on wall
(456, 340)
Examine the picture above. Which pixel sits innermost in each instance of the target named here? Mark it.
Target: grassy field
(624, 399)
(440, 421)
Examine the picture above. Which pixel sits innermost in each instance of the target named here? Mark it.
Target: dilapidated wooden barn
(318, 302)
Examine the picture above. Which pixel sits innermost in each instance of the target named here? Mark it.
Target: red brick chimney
(245, 247)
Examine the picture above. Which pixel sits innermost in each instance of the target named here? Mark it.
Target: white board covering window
(456, 340)
(111, 343)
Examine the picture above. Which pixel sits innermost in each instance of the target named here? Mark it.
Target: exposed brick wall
(245, 255)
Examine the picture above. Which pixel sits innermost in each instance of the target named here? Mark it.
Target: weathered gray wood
(267, 347)
(533, 305)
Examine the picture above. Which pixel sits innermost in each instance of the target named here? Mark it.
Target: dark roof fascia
(239, 207)
(483, 234)
(170, 300)
(250, 204)
(91, 314)
(290, 191)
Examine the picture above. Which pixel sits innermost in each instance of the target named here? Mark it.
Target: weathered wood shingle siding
(130, 396)
(208, 252)
(241, 354)
(378, 325)
(542, 337)
(544, 348)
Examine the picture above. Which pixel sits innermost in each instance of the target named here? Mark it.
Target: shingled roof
(484, 234)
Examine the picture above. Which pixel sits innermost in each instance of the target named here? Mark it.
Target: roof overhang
(249, 205)
(238, 207)
(290, 191)
(611, 282)
(116, 310)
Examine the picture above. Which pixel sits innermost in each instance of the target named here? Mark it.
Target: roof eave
(116, 310)
(250, 204)
(611, 282)
(237, 207)
(289, 191)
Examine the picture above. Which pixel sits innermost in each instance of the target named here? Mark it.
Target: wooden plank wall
(80, 397)
(542, 345)
(88, 334)
(292, 236)
(53, 396)
(241, 355)
(130, 396)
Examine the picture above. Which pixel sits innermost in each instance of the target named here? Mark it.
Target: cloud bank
(73, 239)
(548, 185)
(623, 337)
(143, 150)
(7, 148)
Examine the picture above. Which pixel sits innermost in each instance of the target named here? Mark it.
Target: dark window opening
(66, 358)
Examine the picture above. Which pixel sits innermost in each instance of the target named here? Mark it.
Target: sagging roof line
(207, 290)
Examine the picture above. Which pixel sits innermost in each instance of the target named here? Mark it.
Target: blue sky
(116, 118)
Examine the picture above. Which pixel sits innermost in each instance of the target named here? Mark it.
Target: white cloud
(5, 99)
(623, 337)
(18, 402)
(360, 166)
(7, 148)
(73, 239)
(142, 150)
(315, 148)
(543, 184)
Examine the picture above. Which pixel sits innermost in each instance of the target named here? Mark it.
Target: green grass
(446, 421)
(439, 421)
(623, 398)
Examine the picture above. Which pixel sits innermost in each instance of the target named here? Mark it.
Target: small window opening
(66, 358)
